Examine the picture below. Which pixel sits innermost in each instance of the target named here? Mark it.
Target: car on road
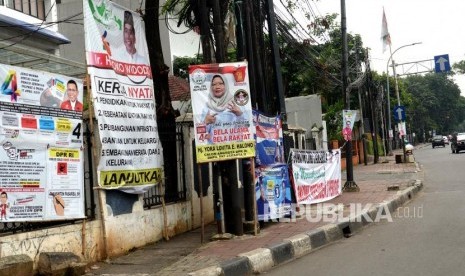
(446, 140)
(438, 141)
(458, 142)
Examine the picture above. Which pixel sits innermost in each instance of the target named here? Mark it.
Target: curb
(263, 259)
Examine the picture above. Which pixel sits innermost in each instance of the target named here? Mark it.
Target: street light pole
(350, 184)
(397, 92)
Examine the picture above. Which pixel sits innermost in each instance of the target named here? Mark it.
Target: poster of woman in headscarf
(222, 111)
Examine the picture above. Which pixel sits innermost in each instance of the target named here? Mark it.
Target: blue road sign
(441, 64)
(399, 112)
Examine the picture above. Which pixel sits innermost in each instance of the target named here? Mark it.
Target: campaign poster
(41, 153)
(348, 119)
(316, 174)
(221, 105)
(131, 158)
(269, 139)
(272, 192)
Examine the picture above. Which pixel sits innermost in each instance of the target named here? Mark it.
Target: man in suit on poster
(72, 93)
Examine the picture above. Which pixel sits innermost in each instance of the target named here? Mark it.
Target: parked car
(438, 141)
(458, 142)
(446, 140)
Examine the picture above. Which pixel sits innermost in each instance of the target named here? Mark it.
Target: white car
(446, 140)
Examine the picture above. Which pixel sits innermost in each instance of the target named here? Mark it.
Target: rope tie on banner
(343, 145)
(309, 156)
(288, 162)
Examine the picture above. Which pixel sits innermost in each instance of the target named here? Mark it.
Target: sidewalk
(277, 242)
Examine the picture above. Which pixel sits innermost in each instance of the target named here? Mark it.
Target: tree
(436, 103)
(459, 67)
(165, 111)
(181, 66)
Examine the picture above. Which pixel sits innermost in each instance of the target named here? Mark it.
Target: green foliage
(370, 147)
(459, 67)
(436, 103)
(333, 118)
(181, 66)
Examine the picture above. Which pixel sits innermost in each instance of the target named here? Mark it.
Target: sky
(439, 25)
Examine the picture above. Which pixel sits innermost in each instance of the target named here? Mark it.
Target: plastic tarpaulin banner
(272, 192)
(269, 138)
(348, 119)
(272, 184)
(316, 174)
(131, 159)
(222, 111)
(41, 154)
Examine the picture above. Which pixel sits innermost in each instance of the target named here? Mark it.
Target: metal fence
(153, 197)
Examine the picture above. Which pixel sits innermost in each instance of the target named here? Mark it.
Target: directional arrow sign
(441, 64)
(399, 112)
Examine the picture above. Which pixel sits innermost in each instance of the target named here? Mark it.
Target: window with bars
(35, 8)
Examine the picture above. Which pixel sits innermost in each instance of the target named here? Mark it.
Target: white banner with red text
(316, 175)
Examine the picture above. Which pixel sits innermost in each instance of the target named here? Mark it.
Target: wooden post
(94, 157)
(255, 219)
(202, 233)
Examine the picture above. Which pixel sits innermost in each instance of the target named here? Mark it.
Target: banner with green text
(316, 174)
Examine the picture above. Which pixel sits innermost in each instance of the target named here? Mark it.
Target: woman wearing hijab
(220, 107)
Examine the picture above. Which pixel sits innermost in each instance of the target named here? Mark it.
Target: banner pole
(90, 113)
(202, 225)
(255, 220)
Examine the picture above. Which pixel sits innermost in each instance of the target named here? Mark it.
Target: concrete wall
(124, 232)
(83, 239)
(136, 229)
(304, 111)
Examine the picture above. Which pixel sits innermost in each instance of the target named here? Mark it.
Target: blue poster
(269, 140)
(273, 192)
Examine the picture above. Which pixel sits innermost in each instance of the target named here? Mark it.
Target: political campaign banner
(41, 154)
(221, 105)
(272, 192)
(316, 174)
(348, 119)
(269, 139)
(131, 158)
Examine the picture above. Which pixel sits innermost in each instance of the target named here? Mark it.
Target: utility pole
(350, 184)
(276, 58)
(362, 123)
(397, 91)
(244, 25)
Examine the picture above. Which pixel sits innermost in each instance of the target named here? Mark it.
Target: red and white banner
(221, 104)
(316, 175)
(131, 158)
(385, 36)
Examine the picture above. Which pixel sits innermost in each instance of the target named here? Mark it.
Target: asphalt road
(426, 236)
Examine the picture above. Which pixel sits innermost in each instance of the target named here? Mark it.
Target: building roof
(179, 88)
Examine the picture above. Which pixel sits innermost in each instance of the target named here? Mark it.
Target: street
(425, 237)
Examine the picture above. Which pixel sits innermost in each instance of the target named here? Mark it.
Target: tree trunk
(165, 112)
